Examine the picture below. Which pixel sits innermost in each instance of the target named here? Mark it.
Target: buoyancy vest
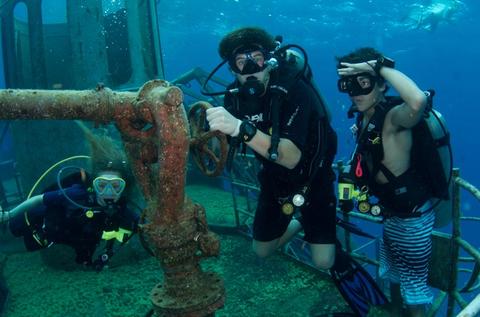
(428, 174)
(321, 145)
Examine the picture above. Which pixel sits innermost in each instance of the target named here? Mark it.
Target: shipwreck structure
(73, 44)
(154, 128)
(54, 54)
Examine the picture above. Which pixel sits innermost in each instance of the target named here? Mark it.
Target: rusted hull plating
(155, 132)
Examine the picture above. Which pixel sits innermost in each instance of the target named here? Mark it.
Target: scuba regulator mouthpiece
(273, 59)
(252, 87)
(272, 64)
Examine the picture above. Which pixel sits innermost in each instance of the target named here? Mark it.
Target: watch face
(385, 61)
(247, 131)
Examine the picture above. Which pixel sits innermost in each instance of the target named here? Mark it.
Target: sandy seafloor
(47, 284)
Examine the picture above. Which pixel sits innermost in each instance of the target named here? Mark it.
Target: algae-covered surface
(45, 284)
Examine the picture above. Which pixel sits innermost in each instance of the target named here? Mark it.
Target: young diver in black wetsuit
(274, 108)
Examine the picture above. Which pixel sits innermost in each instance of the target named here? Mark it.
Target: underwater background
(435, 42)
(438, 50)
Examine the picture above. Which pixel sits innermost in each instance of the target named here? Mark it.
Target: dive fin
(357, 287)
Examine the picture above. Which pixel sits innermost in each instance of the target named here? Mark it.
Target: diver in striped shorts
(382, 164)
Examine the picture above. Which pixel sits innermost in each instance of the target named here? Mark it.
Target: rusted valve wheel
(208, 148)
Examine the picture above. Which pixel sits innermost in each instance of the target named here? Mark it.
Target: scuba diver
(288, 129)
(274, 108)
(429, 17)
(383, 165)
(80, 211)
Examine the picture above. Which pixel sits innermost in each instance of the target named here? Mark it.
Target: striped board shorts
(405, 253)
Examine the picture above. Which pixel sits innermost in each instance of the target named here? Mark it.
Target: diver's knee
(263, 249)
(323, 255)
(323, 262)
(262, 253)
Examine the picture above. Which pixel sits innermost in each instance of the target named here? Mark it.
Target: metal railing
(443, 273)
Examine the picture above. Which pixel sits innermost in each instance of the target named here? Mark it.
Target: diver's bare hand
(350, 69)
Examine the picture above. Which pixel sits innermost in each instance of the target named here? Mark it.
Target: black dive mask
(252, 63)
(357, 85)
(251, 67)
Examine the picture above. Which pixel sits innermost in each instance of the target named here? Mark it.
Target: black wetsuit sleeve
(76, 193)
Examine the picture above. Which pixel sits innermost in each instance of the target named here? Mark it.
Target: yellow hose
(51, 168)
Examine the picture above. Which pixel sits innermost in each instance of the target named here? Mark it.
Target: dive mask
(356, 85)
(109, 187)
(250, 61)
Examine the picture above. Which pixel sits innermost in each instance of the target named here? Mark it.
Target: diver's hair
(245, 37)
(362, 55)
(106, 154)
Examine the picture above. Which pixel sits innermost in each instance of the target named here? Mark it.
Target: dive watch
(247, 131)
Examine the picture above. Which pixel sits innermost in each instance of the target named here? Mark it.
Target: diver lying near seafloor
(80, 210)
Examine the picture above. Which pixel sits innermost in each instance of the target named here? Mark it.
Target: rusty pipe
(95, 105)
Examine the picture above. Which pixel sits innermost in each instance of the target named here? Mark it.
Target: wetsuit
(300, 122)
(59, 221)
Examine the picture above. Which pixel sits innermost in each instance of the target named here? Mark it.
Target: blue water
(443, 58)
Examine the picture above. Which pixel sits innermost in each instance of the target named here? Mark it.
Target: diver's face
(108, 187)
(366, 102)
(251, 64)
(262, 77)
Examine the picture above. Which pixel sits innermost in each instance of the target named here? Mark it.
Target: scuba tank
(432, 153)
(431, 156)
